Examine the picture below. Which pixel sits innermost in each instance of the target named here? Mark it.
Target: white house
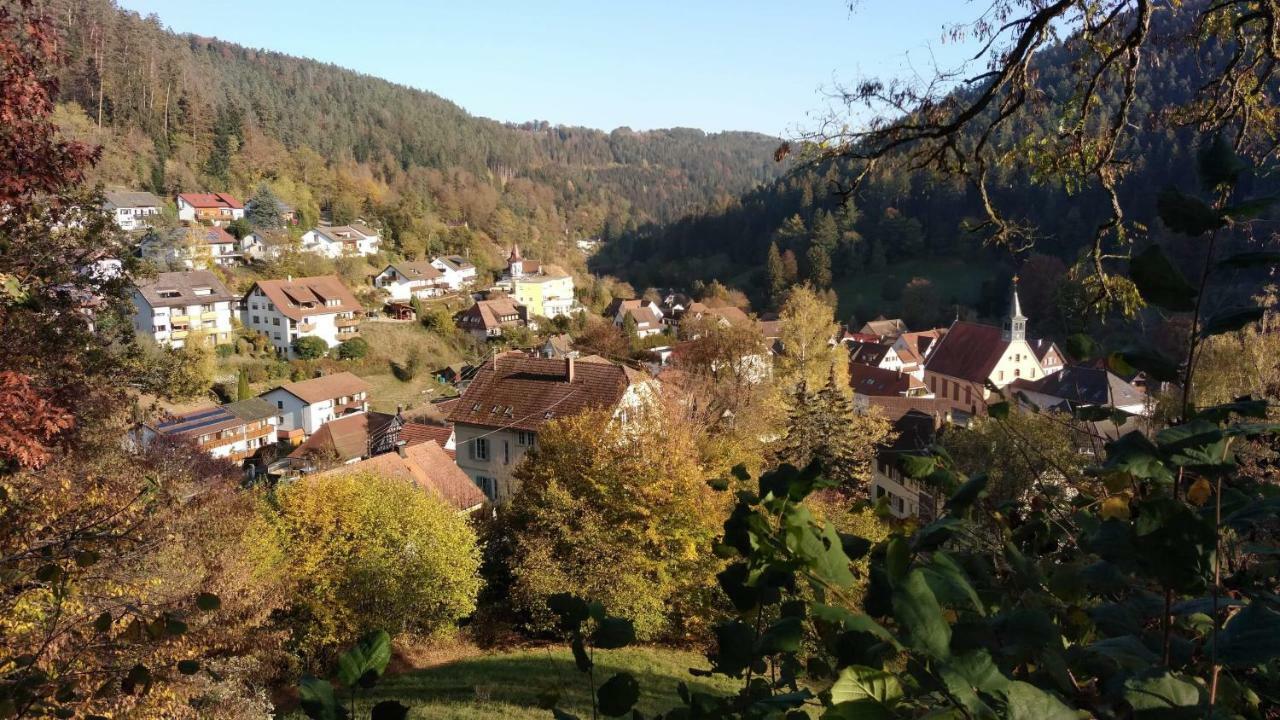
(303, 407)
(456, 272)
(235, 431)
(215, 208)
(407, 280)
(646, 315)
(172, 306)
(195, 247)
(132, 210)
(285, 310)
(334, 241)
(874, 355)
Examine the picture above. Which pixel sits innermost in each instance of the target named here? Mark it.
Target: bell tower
(1015, 325)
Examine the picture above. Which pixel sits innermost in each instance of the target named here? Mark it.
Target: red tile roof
(343, 384)
(211, 200)
(428, 467)
(523, 392)
(869, 380)
(303, 297)
(489, 314)
(970, 351)
(344, 438)
(416, 433)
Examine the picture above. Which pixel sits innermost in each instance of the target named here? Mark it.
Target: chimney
(568, 369)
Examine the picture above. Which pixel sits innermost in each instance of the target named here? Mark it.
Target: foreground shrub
(365, 552)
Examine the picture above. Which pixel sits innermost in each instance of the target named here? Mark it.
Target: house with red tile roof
(871, 381)
(216, 208)
(489, 318)
(285, 310)
(498, 417)
(429, 468)
(302, 408)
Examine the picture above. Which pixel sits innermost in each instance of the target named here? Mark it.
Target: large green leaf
(918, 612)
(317, 699)
(1160, 282)
(1130, 360)
(613, 632)
(370, 655)
(570, 609)
(1186, 214)
(735, 644)
(1217, 162)
(1028, 702)
(1176, 545)
(1251, 637)
(784, 635)
(1259, 259)
(967, 494)
(1163, 696)
(1249, 208)
(867, 691)
(950, 584)
(618, 695)
(1135, 455)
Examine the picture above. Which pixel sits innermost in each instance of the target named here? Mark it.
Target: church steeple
(1015, 325)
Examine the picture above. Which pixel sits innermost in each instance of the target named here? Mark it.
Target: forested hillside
(191, 113)
(899, 221)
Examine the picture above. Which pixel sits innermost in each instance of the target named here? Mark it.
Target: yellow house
(548, 294)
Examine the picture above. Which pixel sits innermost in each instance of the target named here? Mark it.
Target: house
(263, 245)
(1079, 386)
(214, 208)
(874, 355)
(235, 431)
(645, 315)
(285, 310)
(335, 241)
(558, 346)
(885, 329)
(914, 349)
(173, 307)
(132, 210)
(1051, 358)
(302, 408)
(498, 417)
(724, 316)
(428, 467)
(349, 439)
(407, 280)
(456, 272)
(916, 425)
(871, 381)
(416, 432)
(489, 318)
(194, 246)
(548, 294)
(518, 266)
(971, 355)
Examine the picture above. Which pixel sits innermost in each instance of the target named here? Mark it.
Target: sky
(763, 65)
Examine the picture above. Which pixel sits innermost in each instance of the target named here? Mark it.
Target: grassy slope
(392, 342)
(956, 280)
(507, 685)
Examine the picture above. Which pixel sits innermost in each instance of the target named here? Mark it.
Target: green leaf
(859, 683)
(1249, 208)
(1245, 260)
(618, 695)
(999, 410)
(1186, 214)
(897, 559)
(918, 612)
(735, 645)
(967, 494)
(370, 655)
(1137, 456)
(208, 602)
(1251, 637)
(1243, 406)
(580, 656)
(917, 466)
(1163, 696)
(1217, 162)
(317, 699)
(1028, 702)
(613, 633)
(1230, 321)
(570, 609)
(950, 584)
(188, 667)
(782, 636)
(1160, 282)
(389, 710)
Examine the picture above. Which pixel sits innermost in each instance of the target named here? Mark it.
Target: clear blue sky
(711, 64)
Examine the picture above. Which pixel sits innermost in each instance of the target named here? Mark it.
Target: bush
(225, 350)
(410, 368)
(353, 349)
(363, 552)
(310, 347)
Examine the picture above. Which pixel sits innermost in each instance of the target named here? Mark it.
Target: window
(1001, 374)
(201, 291)
(506, 452)
(480, 448)
(955, 391)
(897, 501)
(169, 293)
(255, 319)
(488, 486)
(275, 321)
(524, 438)
(279, 404)
(1017, 372)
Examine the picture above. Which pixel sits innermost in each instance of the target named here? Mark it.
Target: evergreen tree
(876, 262)
(823, 427)
(826, 233)
(793, 232)
(778, 281)
(242, 386)
(264, 209)
(819, 267)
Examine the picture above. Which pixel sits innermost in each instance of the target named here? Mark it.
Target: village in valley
(523, 350)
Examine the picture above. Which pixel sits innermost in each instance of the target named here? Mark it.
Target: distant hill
(186, 112)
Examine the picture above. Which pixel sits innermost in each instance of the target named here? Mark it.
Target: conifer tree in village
(778, 281)
(263, 209)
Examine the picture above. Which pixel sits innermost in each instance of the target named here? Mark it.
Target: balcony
(347, 322)
(306, 327)
(178, 335)
(211, 315)
(179, 318)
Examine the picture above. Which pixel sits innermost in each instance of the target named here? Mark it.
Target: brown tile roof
(207, 235)
(525, 392)
(884, 327)
(303, 297)
(337, 385)
(644, 318)
(416, 433)
(155, 289)
(488, 314)
(1042, 346)
(733, 314)
(345, 438)
(429, 468)
(866, 353)
(918, 344)
(770, 328)
(211, 200)
(420, 270)
(869, 380)
(894, 407)
(970, 351)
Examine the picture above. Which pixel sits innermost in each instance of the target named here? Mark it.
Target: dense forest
(185, 113)
(897, 217)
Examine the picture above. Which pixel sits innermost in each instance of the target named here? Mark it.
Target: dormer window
(200, 291)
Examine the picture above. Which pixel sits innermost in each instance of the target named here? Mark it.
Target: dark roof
(315, 390)
(523, 392)
(216, 418)
(916, 430)
(297, 298)
(487, 314)
(884, 327)
(869, 380)
(420, 270)
(1042, 346)
(969, 351)
(644, 318)
(1085, 385)
(865, 353)
(131, 199)
(158, 291)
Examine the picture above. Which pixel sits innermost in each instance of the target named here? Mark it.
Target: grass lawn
(393, 342)
(507, 685)
(957, 281)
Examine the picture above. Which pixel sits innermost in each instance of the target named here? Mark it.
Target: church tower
(515, 263)
(1015, 325)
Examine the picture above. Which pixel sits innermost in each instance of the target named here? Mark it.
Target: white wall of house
(399, 287)
(261, 314)
(454, 279)
(490, 459)
(187, 212)
(316, 242)
(134, 218)
(171, 326)
(293, 413)
(1018, 361)
(904, 495)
